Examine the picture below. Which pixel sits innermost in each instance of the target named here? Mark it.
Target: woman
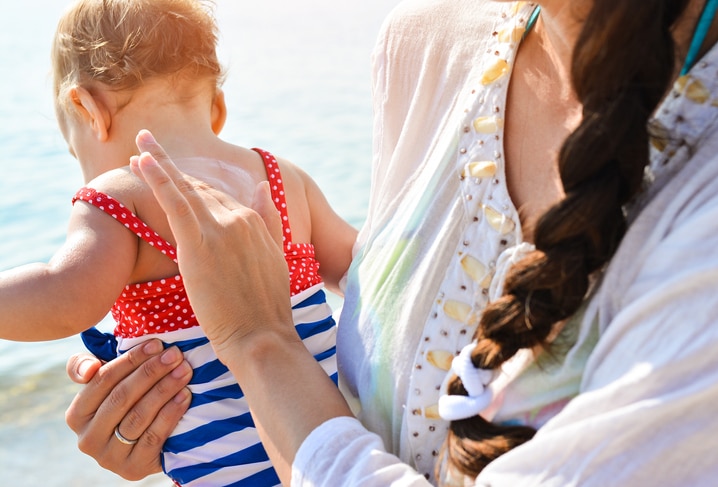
(513, 187)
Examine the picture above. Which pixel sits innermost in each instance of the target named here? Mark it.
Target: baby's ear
(219, 112)
(92, 111)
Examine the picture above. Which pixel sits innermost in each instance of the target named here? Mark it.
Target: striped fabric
(215, 443)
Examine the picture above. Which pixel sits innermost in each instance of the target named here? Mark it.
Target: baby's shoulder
(292, 172)
(122, 185)
(294, 178)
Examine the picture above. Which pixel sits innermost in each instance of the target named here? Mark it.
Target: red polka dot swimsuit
(303, 268)
(162, 306)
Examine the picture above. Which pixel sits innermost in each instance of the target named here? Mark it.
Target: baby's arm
(76, 289)
(333, 238)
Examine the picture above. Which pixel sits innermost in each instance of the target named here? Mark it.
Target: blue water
(298, 85)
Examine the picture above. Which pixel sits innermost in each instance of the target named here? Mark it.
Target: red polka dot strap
(276, 187)
(132, 222)
(303, 267)
(146, 307)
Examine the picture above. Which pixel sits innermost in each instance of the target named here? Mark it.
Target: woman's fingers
(230, 256)
(143, 394)
(140, 394)
(183, 197)
(89, 400)
(169, 187)
(82, 367)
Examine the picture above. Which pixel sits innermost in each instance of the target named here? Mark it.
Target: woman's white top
(630, 399)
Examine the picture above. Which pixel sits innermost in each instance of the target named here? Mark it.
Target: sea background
(298, 85)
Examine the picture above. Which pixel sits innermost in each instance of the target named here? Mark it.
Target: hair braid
(622, 66)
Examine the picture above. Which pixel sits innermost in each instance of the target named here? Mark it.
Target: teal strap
(699, 36)
(532, 20)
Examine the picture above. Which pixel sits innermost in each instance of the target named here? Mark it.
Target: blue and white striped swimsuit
(215, 443)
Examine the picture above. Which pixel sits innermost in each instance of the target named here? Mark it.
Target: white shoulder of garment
(424, 55)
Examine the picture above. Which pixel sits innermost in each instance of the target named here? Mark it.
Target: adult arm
(342, 452)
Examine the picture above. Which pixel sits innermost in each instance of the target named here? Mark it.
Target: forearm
(342, 452)
(33, 305)
(288, 393)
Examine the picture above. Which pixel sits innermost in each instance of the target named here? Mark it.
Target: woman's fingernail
(153, 347)
(171, 356)
(146, 159)
(182, 370)
(84, 366)
(182, 396)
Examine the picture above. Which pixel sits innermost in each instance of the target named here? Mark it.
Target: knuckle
(152, 440)
(140, 354)
(71, 419)
(200, 185)
(152, 369)
(185, 185)
(252, 217)
(130, 474)
(136, 356)
(105, 375)
(133, 475)
(84, 445)
(118, 397)
(182, 208)
(133, 420)
(164, 388)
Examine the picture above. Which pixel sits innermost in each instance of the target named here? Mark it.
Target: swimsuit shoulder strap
(276, 187)
(132, 222)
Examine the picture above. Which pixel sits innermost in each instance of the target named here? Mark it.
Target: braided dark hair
(622, 65)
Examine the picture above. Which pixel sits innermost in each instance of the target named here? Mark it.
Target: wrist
(245, 354)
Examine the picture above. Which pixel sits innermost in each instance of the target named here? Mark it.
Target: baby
(120, 66)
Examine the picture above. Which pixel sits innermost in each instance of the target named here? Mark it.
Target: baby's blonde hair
(123, 43)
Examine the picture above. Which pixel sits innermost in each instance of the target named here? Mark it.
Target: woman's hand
(232, 263)
(141, 393)
(230, 256)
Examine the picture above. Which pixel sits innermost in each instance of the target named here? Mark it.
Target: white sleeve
(341, 452)
(646, 414)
